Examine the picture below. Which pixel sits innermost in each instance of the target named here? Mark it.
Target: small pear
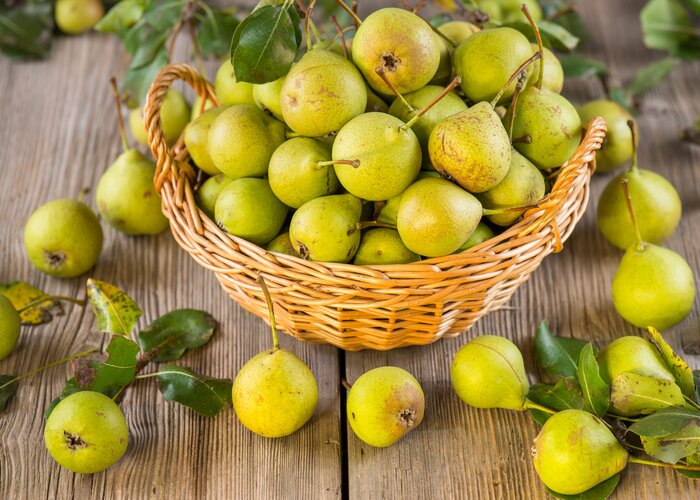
(138, 132)
(575, 451)
(482, 233)
(300, 170)
(384, 404)
(230, 92)
(9, 327)
(256, 134)
(553, 78)
(76, 16)
(374, 102)
(275, 393)
(382, 246)
(248, 208)
(267, 96)
(458, 31)
(635, 355)
(322, 92)
(282, 244)
(197, 109)
(325, 229)
(509, 10)
(390, 208)
(207, 194)
(488, 372)
(401, 44)
(196, 139)
(174, 116)
(376, 156)
(617, 144)
(436, 216)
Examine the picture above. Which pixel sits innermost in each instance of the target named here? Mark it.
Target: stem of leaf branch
(642, 461)
(187, 13)
(36, 302)
(45, 367)
(141, 363)
(534, 406)
(195, 46)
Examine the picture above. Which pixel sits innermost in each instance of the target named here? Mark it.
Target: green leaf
(596, 393)
(621, 97)
(205, 395)
(215, 31)
(122, 16)
(265, 43)
(557, 355)
(692, 134)
(107, 376)
(563, 395)
(8, 387)
(116, 312)
(696, 378)
(26, 29)
(21, 294)
(666, 25)
(571, 21)
(680, 369)
(651, 76)
(665, 422)
(553, 35)
(691, 460)
(136, 82)
(598, 492)
(576, 66)
(633, 394)
(540, 417)
(172, 334)
(673, 447)
(693, 5)
(163, 16)
(148, 48)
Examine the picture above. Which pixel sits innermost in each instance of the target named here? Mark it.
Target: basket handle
(170, 162)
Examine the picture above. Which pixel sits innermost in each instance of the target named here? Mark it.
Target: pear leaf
(694, 5)
(596, 393)
(540, 417)
(696, 379)
(673, 447)
(553, 35)
(116, 312)
(8, 387)
(122, 16)
(680, 369)
(651, 76)
(175, 332)
(22, 294)
(215, 30)
(265, 44)
(665, 422)
(576, 66)
(557, 355)
(599, 492)
(633, 394)
(563, 395)
(205, 395)
(691, 460)
(666, 25)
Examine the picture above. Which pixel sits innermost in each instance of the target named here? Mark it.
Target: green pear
(76, 16)
(488, 372)
(267, 96)
(248, 208)
(63, 238)
(390, 208)
(444, 71)
(242, 139)
(209, 191)
(382, 246)
(486, 60)
(653, 286)
(228, 91)
(325, 229)
(482, 233)
(282, 244)
(401, 44)
(617, 144)
(174, 116)
(322, 92)
(197, 110)
(9, 327)
(510, 10)
(436, 216)
(634, 355)
(295, 174)
(196, 140)
(458, 31)
(384, 404)
(575, 451)
(471, 148)
(376, 156)
(126, 196)
(138, 132)
(523, 185)
(374, 102)
(553, 78)
(449, 105)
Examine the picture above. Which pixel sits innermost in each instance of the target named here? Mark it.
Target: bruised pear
(575, 451)
(321, 93)
(385, 404)
(381, 246)
(488, 372)
(634, 355)
(401, 44)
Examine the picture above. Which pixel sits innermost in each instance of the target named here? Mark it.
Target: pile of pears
(401, 133)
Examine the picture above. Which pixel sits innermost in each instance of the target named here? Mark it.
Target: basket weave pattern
(356, 307)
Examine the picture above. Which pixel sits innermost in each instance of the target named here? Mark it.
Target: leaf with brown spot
(116, 312)
(633, 394)
(680, 369)
(673, 447)
(21, 294)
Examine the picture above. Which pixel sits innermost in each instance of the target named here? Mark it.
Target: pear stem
(195, 46)
(344, 382)
(341, 33)
(268, 299)
(454, 83)
(120, 118)
(45, 367)
(352, 163)
(630, 209)
(540, 76)
(518, 88)
(382, 74)
(523, 139)
(373, 223)
(36, 302)
(636, 460)
(635, 138)
(534, 406)
(352, 13)
(537, 55)
(307, 24)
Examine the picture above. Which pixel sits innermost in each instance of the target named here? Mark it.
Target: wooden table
(58, 133)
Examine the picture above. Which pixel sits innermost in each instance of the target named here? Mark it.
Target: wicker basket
(356, 307)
